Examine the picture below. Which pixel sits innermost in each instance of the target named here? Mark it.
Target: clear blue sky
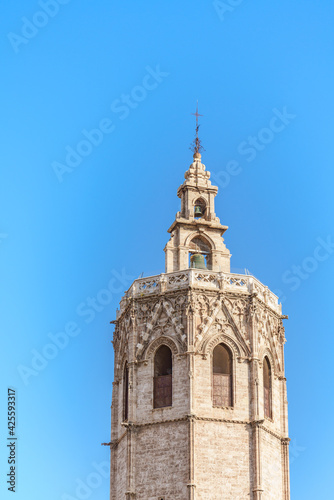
(70, 223)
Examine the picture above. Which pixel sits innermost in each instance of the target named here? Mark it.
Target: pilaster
(132, 397)
(255, 405)
(257, 488)
(191, 371)
(113, 442)
(285, 467)
(131, 453)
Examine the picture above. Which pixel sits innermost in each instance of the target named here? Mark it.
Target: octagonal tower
(199, 407)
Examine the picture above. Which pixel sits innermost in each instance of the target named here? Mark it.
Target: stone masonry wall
(162, 461)
(222, 461)
(121, 467)
(271, 466)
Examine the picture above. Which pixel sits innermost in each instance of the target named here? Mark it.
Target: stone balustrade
(201, 279)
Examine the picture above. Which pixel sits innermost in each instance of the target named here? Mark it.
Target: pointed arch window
(222, 376)
(126, 392)
(267, 396)
(163, 377)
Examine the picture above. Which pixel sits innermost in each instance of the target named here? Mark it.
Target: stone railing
(201, 279)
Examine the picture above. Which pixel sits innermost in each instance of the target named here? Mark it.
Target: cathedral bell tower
(196, 230)
(199, 405)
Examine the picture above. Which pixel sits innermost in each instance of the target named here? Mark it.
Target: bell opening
(198, 211)
(199, 208)
(197, 261)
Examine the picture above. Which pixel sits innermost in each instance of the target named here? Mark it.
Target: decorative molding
(223, 407)
(236, 285)
(121, 366)
(210, 343)
(155, 344)
(284, 440)
(164, 317)
(193, 418)
(165, 421)
(236, 329)
(199, 232)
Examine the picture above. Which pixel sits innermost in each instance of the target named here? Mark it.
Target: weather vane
(196, 145)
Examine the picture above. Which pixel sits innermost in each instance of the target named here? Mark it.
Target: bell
(198, 211)
(197, 261)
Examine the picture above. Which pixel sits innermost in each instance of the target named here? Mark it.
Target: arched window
(267, 388)
(126, 392)
(222, 376)
(200, 253)
(163, 370)
(199, 208)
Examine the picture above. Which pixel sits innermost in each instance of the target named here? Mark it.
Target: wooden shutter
(267, 405)
(162, 391)
(222, 390)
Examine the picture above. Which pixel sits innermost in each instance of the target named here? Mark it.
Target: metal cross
(196, 114)
(196, 146)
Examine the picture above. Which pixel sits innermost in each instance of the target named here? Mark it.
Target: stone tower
(199, 409)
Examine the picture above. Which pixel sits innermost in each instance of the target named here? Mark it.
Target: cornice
(132, 426)
(196, 224)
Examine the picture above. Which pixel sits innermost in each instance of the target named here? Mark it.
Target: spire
(196, 146)
(196, 234)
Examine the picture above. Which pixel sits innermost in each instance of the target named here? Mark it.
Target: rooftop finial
(196, 146)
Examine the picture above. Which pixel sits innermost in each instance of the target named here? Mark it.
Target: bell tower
(199, 405)
(196, 234)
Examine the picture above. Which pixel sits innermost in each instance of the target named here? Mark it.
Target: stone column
(131, 438)
(113, 443)
(285, 469)
(113, 470)
(191, 484)
(257, 488)
(132, 402)
(211, 208)
(191, 417)
(256, 422)
(285, 443)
